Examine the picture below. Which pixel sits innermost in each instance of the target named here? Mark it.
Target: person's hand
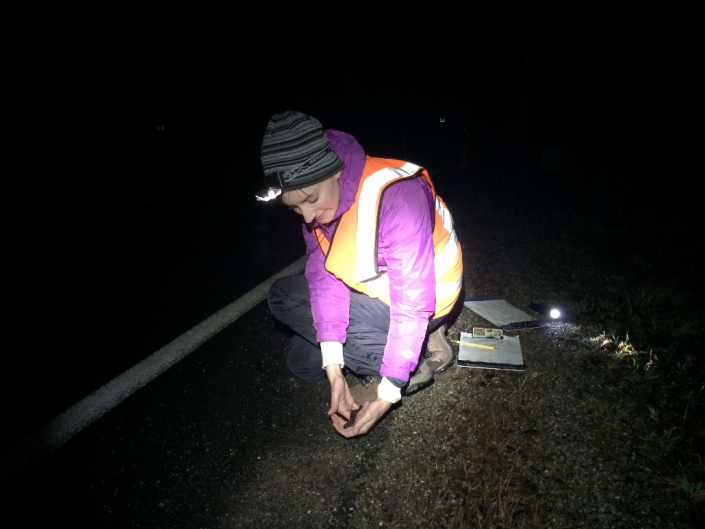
(341, 400)
(363, 420)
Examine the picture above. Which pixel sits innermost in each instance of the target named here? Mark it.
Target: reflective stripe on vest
(366, 265)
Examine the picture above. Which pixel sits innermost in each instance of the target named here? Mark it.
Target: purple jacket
(405, 249)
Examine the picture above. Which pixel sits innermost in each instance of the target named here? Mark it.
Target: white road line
(69, 423)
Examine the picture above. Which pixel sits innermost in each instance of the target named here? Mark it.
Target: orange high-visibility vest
(351, 255)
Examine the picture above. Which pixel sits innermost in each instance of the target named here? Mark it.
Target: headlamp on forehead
(270, 194)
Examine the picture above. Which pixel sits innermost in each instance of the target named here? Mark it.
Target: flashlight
(553, 312)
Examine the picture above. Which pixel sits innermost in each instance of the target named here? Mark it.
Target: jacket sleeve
(330, 297)
(406, 246)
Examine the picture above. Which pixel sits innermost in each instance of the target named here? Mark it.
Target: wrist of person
(333, 371)
(388, 391)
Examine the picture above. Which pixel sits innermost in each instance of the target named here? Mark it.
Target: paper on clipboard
(502, 314)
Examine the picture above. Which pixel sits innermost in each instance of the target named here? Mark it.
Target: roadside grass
(654, 354)
(637, 335)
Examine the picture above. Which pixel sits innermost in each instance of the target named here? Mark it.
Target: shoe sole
(412, 389)
(443, 368)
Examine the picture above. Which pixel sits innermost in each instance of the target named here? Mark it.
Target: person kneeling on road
(384, 268)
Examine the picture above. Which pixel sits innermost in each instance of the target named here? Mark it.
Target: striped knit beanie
(296, 152)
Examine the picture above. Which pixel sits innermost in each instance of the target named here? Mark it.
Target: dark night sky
(88, 85)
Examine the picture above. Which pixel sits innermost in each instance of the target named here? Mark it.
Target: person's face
(317, 203)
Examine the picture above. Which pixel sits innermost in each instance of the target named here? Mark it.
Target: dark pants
(290, 302)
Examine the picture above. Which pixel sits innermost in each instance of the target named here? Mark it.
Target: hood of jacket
(353, 157)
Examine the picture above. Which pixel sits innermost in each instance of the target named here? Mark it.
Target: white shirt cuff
(388, 391)
(332, 353)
